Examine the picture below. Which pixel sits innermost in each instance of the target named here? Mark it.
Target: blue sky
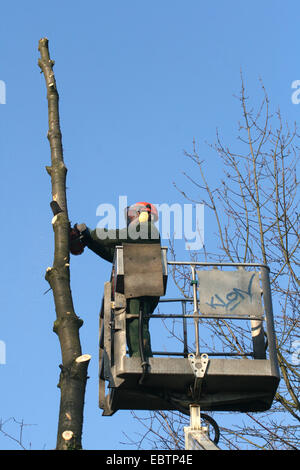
(138, 80)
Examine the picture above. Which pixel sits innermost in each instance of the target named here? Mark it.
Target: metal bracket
(198, 364)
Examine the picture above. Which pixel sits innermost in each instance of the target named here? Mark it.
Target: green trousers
(148, 305)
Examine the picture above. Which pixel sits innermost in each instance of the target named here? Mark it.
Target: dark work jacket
(103, 241)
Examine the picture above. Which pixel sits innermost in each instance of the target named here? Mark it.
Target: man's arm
(100, 241)
(103, 241)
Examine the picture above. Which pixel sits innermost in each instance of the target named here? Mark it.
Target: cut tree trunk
(73, 376)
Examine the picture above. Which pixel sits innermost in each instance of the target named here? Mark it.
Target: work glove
(77, 242)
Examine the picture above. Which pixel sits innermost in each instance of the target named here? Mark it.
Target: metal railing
(184, 318)
(258, 341)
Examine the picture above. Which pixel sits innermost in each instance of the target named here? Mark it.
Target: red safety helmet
(134, 210)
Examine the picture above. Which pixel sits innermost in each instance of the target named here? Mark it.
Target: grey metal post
(196, 312)
(265, 279)
(184, 324)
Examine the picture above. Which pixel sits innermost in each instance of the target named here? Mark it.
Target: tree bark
(73, 376)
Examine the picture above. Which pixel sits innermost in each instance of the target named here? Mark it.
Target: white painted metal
(196, 435)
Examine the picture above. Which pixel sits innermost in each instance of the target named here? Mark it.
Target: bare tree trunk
(74, 365)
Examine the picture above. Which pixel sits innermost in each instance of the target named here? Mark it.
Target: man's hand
(76, 240)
